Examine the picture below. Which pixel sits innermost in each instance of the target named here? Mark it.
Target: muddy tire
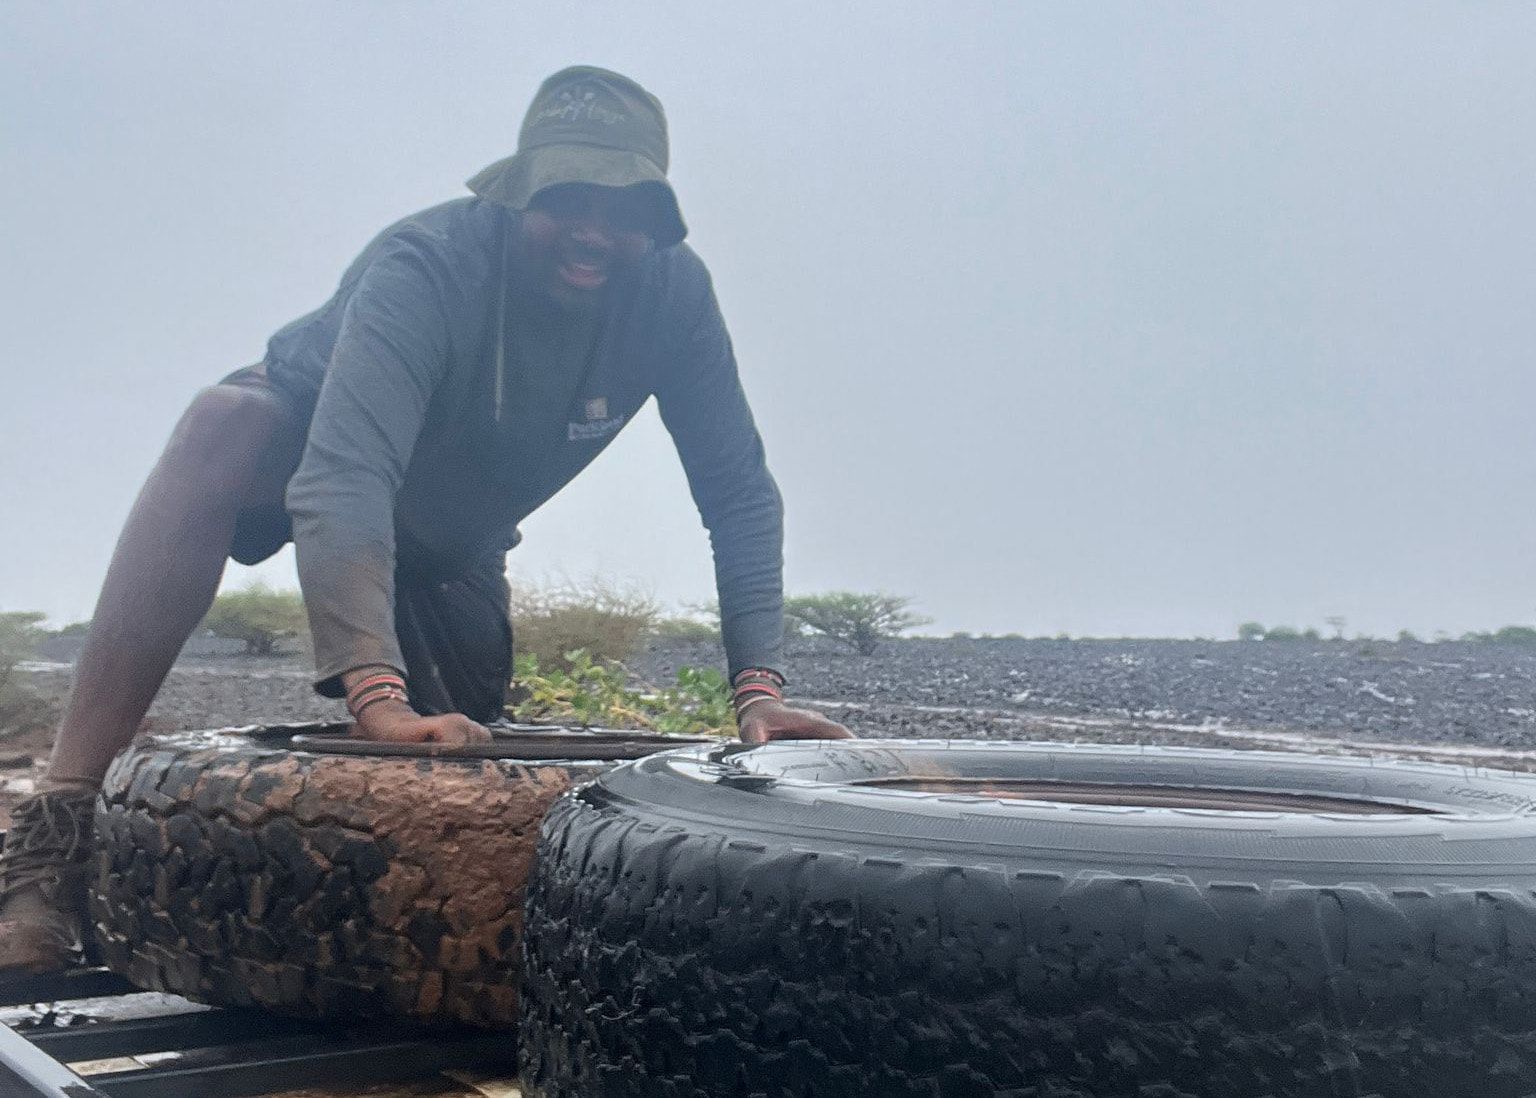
(236, 870)
(907, 918)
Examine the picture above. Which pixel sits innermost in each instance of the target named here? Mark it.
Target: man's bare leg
(166, 568)
(235, 447)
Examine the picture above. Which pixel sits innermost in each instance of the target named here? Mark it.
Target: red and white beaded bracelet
(381, 686)
(755, 684)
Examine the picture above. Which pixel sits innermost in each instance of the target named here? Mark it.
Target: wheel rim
(512, 742)
(1146, 796)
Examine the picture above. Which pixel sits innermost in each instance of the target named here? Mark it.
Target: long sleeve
(390, 354)
(705, 411)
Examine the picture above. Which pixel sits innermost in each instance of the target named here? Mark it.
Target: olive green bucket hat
(588, 125)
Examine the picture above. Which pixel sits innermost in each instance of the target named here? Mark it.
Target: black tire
(235, 870)
(790, 921)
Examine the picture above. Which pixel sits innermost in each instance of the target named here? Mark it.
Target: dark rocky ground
(1452, 694)
(1468, 703)
(1465, 701)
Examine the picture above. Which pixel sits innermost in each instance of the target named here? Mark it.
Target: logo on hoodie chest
(596, 422)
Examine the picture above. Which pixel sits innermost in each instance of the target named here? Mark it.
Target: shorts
(455, 634)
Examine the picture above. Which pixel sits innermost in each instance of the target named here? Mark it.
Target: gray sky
(1115, 318)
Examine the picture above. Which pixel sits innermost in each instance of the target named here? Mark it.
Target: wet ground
(1471, 704)
(1462, 702)
(1448, 694)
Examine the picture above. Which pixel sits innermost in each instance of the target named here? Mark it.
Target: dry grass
(596, 616)
(21, 709)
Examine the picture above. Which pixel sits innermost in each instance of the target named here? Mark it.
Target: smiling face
(579, 237)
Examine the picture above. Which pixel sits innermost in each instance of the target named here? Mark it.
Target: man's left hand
(773, 720)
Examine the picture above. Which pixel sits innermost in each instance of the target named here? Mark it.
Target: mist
(1114, 320)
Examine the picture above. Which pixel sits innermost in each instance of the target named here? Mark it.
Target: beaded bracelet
(381, 682)
(758, 674)
(758, 688)
(380, 686)
(749, 694)
(356, 709)
(751, 685)
(742, 707)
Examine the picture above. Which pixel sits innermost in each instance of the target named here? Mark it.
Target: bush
(1250, 631)
(20, 630)
(857, 619)
(1510, 634)
(596, 617)
(686, 629)
(1515, 634)
(258, 616)
(20, 707)
(589, 694)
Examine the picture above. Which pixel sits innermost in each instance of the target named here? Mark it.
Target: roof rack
(214, 1053)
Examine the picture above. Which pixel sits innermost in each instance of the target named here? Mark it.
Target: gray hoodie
(446, 412)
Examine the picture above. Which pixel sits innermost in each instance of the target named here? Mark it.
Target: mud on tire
(909, 919)
(240, 872)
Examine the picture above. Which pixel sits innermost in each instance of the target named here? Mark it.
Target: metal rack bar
(311, 1064)
(170, 1033)
(224, 1053)
(81, 983)
(28, 1072)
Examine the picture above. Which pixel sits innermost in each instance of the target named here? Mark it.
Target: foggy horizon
(1131, 320)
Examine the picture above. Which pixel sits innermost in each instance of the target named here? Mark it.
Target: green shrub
(1510, 634)
(597, 617)
(20, 630)
(259, 616)
(1515, 634)
(857, 619)
(589, 693)
(20, 707)
(1250, 631)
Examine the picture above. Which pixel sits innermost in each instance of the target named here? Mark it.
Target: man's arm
(389, 357)
(706, 412)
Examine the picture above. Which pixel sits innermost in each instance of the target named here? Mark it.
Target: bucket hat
(588, 125)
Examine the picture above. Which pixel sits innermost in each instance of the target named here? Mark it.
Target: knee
(224, 433)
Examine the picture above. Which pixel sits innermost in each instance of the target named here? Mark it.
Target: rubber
(761, 921)
(235, 871)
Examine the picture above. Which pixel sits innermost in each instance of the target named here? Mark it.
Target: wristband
(758, 674)
(378, 686)
(758, 688)
(744, 706)
(357, 696)
(390, 694)
(393, 682)
(373, 677)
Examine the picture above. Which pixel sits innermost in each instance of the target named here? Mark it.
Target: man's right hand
(396, 722)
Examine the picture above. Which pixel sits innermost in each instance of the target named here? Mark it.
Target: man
(476, 357)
